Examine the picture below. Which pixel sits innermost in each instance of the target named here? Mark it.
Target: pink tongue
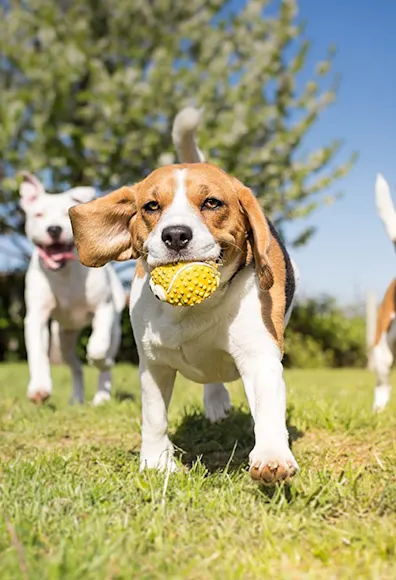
(54, 261)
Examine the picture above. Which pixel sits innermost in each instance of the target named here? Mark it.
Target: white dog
(191, 212)
(58, 287)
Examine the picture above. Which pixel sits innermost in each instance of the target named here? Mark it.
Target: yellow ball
(185, 283)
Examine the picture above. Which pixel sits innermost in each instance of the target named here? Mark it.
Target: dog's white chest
(193, 342)
(201, 360)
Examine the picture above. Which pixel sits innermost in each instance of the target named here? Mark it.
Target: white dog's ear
(30, 190)
(82, 194)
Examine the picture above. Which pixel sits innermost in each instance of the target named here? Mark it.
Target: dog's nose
(54, 232)
(177, 237)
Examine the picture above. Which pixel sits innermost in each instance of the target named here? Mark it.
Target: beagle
(197, 212)
(237, 332)
(385, 337)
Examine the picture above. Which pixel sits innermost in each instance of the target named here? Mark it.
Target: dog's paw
(100, 398)
(217, 403)
(160, 459)
(381, 397)
(39, 396)
(268, 467)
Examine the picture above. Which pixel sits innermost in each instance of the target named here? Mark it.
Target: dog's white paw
(381, 397)
(160, 458)
(271, 466)
(100, 398)
(39, 393)
(217, 402)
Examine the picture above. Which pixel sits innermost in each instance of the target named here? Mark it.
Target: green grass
(73, 504)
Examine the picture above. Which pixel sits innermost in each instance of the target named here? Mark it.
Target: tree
(89, 90)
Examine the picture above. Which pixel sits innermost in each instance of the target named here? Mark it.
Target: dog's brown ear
(102, 228)
(259, 233)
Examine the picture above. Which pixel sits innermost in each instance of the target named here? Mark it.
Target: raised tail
(385, 206)
(183, 134)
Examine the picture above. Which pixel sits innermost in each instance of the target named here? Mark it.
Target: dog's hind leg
(103, 393)
(67, 343)
(216, 402)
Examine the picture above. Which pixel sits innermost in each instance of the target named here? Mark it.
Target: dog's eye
(212, 203)
(151, 206)
(38, 214)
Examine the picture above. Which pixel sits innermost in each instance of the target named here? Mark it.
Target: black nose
(54, 232)
(177, 237)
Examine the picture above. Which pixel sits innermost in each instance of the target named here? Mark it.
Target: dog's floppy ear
(30, 190)
(102, 228)
(260, 234)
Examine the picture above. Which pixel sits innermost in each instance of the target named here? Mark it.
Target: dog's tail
(55, 354)
(183, 134)
(385, 206)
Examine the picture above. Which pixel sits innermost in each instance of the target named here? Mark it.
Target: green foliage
(320, 334)
(89, 91)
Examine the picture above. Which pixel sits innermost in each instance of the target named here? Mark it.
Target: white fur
(217, 341)
(183, 133)
(74, 296)
(180, 212)
(385, 206)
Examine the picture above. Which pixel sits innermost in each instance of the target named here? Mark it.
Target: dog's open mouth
(56, 255)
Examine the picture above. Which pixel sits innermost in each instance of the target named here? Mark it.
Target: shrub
(320, 333)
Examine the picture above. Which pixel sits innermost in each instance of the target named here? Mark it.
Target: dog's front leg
(271, 460)
(98, 346)
(157, 386)
(36, 339)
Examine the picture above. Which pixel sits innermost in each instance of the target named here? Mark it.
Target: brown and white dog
(188, 212)
(385, 336)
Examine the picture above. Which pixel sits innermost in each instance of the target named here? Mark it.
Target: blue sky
(351, 253)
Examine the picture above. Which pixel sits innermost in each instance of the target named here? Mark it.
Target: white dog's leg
(216, 402)
(37, 340)
(271, 459)
(157, 386)
(67, 343)
(103, 393)
(100, 340)
(383, 360)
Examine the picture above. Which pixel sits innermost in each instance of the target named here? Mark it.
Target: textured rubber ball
(185, 283)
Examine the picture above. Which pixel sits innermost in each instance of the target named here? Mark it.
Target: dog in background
(60, 288)
(385, 337)
(197, 212)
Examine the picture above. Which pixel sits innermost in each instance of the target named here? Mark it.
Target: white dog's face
(47, 220)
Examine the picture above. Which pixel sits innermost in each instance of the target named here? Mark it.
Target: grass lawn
(73, 504)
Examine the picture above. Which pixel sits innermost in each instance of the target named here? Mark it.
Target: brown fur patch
(273, 301)
(385, 311)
